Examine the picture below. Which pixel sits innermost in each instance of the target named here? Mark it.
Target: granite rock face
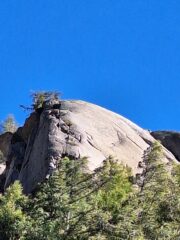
(5, 143)
(2, 168)
(75, 129)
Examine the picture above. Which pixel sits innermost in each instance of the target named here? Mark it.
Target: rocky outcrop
(170, 140)
(5, 143)
(2, 168)
(75, 129)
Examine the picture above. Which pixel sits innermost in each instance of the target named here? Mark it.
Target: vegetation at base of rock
(67, 205)
(159, 199)
(8, 125)
(77, 204)
(12, 218)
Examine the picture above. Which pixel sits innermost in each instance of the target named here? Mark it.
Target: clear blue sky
(121, 54)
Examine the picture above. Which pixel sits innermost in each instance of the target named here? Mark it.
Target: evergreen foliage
(68, 206)
(117, 186)
(13, 221)
(76, 204)
(38, 98)
(154, 211)
(8, 125)
(159, 199)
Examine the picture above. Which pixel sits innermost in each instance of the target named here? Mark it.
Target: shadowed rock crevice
(170, 140)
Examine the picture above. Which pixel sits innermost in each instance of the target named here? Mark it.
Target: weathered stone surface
(30, 123)
(170, 140)
(75, 129)
(5, 142)
(2, 168)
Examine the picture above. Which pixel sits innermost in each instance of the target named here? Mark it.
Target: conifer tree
(70, 206)
(75, 203)
(38, 98)
(153, 212)
(9, 125)
(13, 221)
(158, 197)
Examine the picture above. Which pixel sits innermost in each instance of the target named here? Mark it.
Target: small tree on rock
(38, 98)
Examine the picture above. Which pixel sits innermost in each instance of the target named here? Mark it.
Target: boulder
(75, 129)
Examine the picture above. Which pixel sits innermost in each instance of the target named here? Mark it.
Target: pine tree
(13, 221)
(117, 187)
(9, 125)
(101, 205)
(70, 205)
(153, 211)
(38, 98)
(158, 198)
